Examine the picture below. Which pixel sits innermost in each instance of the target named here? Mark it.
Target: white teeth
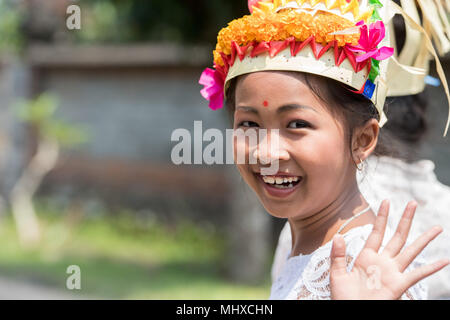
(278, 181)
(269, 180)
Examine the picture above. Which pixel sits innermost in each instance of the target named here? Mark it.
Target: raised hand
(381, 275)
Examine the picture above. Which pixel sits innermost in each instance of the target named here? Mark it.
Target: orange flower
(281, 26)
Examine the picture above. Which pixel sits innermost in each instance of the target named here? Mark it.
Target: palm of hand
(378, 275)
(365, 279)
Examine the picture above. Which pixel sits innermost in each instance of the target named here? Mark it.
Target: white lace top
(307, 277)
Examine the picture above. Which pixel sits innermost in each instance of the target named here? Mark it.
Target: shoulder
(282, 251)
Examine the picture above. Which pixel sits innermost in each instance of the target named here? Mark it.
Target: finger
(401, 234)
(376, 236)
(425, 271)
(408, 255)
(338, 260)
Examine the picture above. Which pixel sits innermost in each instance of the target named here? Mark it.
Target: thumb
(338, 260)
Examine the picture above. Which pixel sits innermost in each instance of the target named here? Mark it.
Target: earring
(360, 165)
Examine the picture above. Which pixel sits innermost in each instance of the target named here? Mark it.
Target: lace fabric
(307, 277)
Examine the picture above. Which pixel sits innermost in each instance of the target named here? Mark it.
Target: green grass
(121, 258)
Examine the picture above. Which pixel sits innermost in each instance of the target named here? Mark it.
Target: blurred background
(86, 176)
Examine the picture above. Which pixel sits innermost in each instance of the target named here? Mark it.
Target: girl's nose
(269, 157)
(270, 150)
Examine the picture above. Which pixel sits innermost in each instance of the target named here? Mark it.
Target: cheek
(247, 176)
(323, 155)
(242, 158)
(242, 170)
(240, 151)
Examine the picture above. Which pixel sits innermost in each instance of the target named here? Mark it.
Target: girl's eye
(298, 124)
(248, 124)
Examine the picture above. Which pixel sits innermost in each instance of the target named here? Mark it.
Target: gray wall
(131, 114)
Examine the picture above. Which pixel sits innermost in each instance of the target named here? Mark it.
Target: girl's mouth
(279, 185)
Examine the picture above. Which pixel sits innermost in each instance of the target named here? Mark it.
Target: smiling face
(315, 163)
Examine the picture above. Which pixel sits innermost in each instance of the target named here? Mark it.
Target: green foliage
(11, 39)
(125, 256)
(191, 21)
(100, 23)
(118, 21)
(40, 113)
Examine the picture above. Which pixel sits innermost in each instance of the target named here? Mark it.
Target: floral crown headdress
(350, 41)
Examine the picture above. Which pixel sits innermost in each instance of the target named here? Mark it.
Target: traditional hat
(409, 68)
(351, 41)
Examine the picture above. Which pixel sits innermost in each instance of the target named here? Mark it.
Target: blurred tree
(186, 21)
(52, 134)
(41, 20)
(118, 21)
(10, 45)
(10, 20)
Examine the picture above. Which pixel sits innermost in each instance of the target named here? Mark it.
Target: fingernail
(337, 238)
(413, 203)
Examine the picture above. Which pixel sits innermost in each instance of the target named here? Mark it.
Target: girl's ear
(365, 140)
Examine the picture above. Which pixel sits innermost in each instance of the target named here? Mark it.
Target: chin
(281, 210)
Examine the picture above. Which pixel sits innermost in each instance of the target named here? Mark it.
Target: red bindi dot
(266, 104)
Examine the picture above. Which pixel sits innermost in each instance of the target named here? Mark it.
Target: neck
(311, 232)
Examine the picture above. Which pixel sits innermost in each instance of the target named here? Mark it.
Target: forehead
(276, 88)
(270, 79)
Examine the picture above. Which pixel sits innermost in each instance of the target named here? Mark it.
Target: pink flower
(213, 82)
(254, 3)
(369, 41)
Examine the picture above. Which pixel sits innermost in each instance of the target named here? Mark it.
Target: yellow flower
(281, 26)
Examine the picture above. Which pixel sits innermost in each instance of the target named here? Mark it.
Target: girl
(292, 66)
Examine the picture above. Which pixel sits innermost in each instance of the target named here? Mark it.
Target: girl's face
(312, 146)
